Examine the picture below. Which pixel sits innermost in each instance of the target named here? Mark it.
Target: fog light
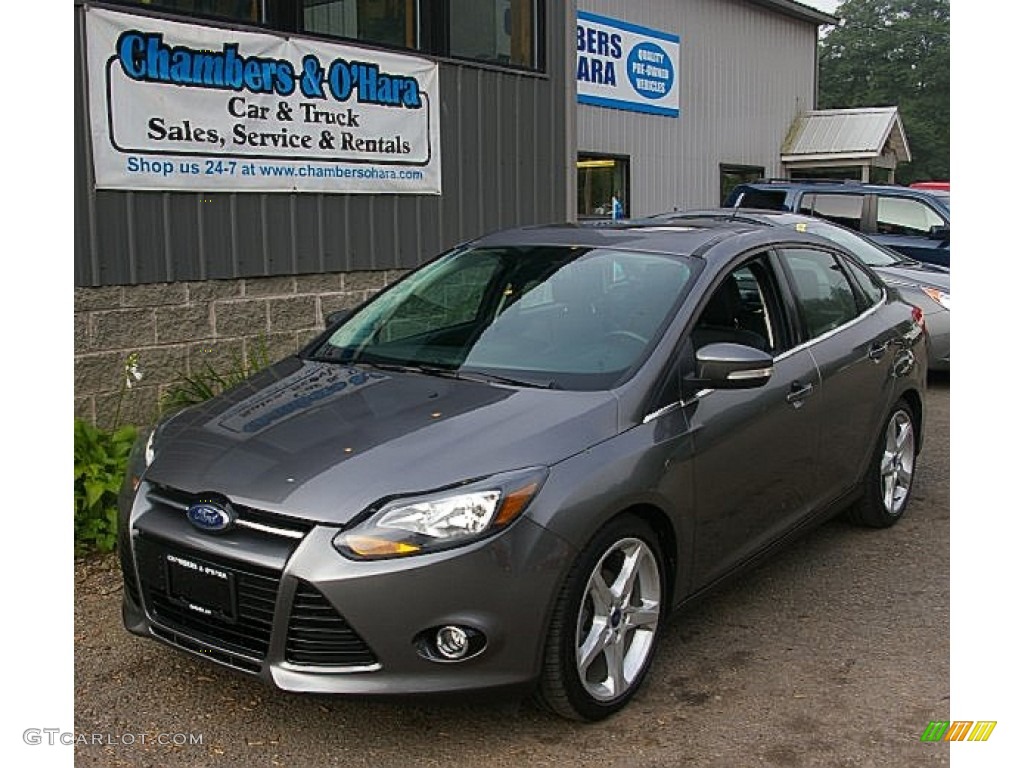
(451, 642)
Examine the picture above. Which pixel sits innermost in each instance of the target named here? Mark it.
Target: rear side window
(902, 216)
(868, 284)
(845, 209)
(823, 293)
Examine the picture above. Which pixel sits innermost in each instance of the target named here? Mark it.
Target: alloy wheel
(618, 619)
(897, 470)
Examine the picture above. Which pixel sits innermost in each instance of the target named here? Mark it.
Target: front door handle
(798, 392)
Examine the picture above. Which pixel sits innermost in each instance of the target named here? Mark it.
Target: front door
(769, 436)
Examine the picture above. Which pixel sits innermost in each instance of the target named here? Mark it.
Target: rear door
(905, 224)
(853, 350)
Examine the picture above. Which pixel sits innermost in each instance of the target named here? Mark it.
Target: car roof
(840, 185)
(627, 234)
(716, 217)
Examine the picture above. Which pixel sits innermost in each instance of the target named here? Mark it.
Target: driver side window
(746, 309)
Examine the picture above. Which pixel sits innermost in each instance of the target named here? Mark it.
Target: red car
(939, 186)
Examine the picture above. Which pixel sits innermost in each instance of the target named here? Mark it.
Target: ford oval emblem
(210, 517)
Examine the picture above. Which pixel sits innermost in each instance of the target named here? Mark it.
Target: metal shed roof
(846, 134)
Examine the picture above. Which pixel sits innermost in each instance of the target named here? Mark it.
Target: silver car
(924, 285)
(505, 470)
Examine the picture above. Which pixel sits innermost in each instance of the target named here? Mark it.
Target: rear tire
(605, 624)
(890, 477)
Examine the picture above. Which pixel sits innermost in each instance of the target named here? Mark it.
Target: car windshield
(864, 249)
(547, 316)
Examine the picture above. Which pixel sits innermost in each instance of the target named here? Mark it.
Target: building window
(602, 187)
(388, 22)
(504, 32)
(730, 176)
(236, 10)
(493, 30)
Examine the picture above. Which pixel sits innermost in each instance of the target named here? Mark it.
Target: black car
(508, 467)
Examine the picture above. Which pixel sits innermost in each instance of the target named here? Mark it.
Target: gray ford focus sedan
(507, 469)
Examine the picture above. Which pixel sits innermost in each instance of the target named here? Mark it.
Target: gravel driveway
(834, 653)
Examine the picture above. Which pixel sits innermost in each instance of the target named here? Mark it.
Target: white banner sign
(187, 107)
(626, 66)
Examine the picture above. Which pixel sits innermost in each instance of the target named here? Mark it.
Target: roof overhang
(798, 11)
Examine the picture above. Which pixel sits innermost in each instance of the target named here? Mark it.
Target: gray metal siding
(503, 141)
(745, 73)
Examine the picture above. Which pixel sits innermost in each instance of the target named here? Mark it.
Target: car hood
(323, 441)
(917, 273)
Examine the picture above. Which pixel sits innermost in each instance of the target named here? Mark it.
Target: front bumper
(307, 619)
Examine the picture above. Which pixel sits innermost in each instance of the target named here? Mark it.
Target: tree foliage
(894, 53)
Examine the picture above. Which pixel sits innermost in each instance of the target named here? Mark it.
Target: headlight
(432, 522)
(939, 297)
(148, 452)
(140, 457)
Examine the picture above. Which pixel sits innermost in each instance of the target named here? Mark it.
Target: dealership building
(245, 167)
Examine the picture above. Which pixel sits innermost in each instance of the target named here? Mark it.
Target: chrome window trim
(829, 334)
(792, 351)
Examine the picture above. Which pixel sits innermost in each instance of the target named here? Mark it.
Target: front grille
(319, 636)
(255, 588)
(186, 642)
(257, 521)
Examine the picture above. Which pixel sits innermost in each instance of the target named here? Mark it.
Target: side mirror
(336, 317)
(732, 366)
(938, 232)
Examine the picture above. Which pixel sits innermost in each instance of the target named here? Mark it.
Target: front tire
(890, 476)
(605, 625)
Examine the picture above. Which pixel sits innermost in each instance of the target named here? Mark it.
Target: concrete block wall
(177, 328)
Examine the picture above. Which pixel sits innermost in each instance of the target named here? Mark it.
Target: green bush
(208, 382)
(101, 461)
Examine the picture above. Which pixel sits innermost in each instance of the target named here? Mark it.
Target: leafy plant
(208, 382)
(101, 460)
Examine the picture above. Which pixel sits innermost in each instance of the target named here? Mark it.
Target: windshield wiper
(424, 368)
(450, 373)
(495, 378)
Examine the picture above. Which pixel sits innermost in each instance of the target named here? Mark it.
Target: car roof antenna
(736, 206)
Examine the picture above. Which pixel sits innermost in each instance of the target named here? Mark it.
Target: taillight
(918, 316)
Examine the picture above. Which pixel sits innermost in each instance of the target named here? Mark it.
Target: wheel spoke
(904, 475)
(646, 615)
(601, 595)
(616, 660)
(901, 437)
(623, 586)
(889, 490)
(890, 438)
(592, 646)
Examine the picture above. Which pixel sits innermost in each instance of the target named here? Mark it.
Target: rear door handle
(798, 392)
(877, 351)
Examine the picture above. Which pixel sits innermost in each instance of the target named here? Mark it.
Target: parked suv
(914, 222)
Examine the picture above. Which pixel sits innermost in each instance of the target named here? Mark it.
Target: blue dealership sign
(626, 66)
